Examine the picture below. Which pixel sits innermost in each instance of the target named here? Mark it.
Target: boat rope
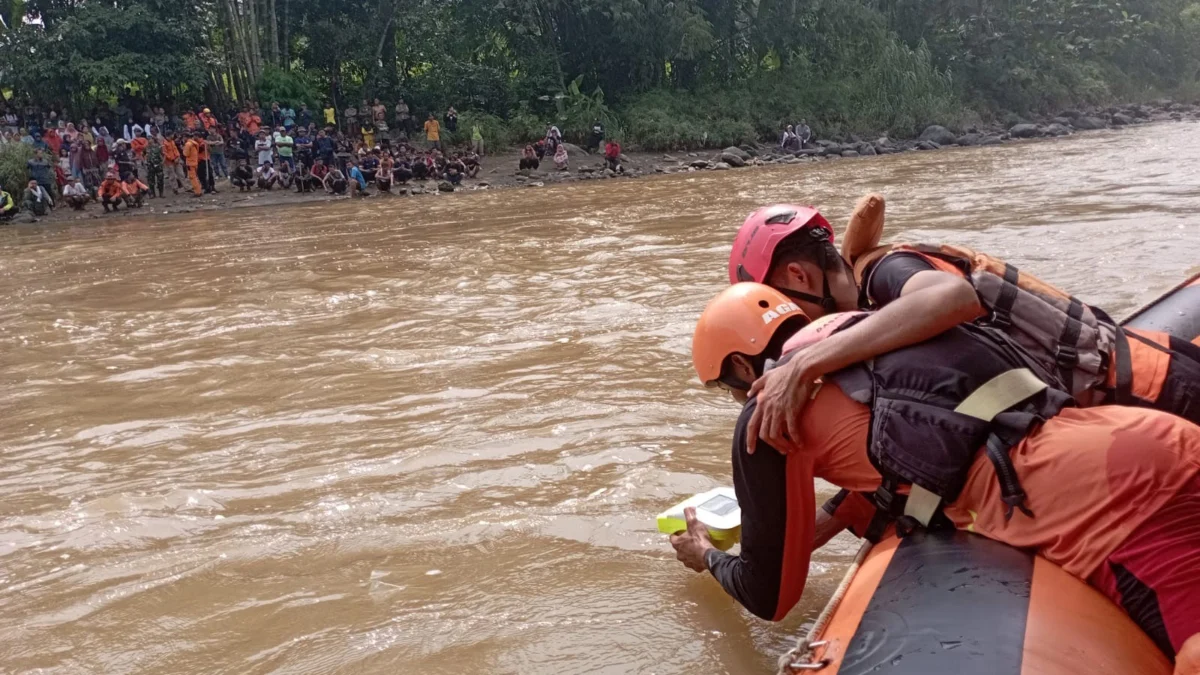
(799, 658)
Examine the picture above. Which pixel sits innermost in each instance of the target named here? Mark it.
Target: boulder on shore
(575, 150)
(1085, 123)
(700, 164)
(969, 140)
(749, 150)
(1025, 131)
(937, 134)
(849, 153)
(720, 166)
(1121, 119)
(446, 186)
(1057, 129)
(991, 140)
(928, 145)
(732, 159)
(737, 152)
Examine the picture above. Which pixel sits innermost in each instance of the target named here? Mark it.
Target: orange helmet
(742, 319)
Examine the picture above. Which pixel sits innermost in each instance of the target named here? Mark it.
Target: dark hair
(774, 349)
(805, 246)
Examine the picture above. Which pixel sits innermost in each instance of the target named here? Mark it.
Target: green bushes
(292, 87)
(869, 85)
(13, 173)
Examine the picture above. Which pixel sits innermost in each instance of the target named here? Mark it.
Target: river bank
(498, 170)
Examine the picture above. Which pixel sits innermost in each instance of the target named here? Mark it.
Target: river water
(431, 436)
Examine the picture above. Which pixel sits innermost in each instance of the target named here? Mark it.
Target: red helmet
(755, 245)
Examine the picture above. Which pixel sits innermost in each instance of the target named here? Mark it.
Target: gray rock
(928, 145)
(447, 186)
(866, 149)
(807, 152)
(1070, 114)
(1065, 121)
(1120, 120)
(831, 151)
(1025, 131)
(937, 134)
(737, 152)
(575, 150)
(991, 140)
(849, 153)
(732, 159)
(721, 166)
(749, 150)
(1086, 123)
(1057, 129)
(700, 164)
(969, 140)
(624, 159)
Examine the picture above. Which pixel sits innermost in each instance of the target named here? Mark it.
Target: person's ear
(743, 368)
(798, 277)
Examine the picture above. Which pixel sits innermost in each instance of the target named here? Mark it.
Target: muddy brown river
(431, 436)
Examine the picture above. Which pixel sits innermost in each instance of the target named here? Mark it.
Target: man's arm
(768, 576)
(929, 303)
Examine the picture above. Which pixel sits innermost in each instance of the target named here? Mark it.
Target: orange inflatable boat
(960, 604)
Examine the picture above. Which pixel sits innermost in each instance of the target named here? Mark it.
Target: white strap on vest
(995, 396)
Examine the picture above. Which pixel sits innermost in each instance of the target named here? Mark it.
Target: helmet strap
(825, 301)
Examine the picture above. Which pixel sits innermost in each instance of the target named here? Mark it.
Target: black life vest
(926, 426)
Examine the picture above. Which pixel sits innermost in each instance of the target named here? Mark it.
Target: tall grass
(13, 173)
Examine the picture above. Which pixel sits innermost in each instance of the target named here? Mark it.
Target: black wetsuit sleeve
(753, 578)
(891, 273)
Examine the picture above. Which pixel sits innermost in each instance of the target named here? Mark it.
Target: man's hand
(782, 395)
(691, 545)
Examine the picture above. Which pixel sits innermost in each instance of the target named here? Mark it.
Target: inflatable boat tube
(955, 603)
(1177, 312)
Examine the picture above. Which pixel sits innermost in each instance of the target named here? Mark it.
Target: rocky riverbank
(498, 168)
(935, 137)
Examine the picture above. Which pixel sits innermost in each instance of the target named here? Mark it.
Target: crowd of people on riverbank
(125, 155)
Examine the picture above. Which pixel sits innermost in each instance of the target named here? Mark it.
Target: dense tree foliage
(669, 73)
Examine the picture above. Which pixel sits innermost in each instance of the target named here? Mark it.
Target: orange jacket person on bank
(191, 156)
(1110, 494)
(922, 290)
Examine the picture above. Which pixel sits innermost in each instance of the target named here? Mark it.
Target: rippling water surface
(430, 436)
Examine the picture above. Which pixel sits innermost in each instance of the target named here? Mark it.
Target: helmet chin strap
(827, 303)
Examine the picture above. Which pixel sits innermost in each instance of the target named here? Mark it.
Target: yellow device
(717, 509)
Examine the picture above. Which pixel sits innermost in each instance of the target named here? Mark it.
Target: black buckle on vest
(884, 499)
(1001, 320)
(1017, 501)
(1066, 356)
(906, 525)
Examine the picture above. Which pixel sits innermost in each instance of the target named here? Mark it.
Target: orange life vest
(1076, 341)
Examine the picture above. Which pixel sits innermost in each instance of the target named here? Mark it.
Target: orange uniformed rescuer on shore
(1111, 494)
